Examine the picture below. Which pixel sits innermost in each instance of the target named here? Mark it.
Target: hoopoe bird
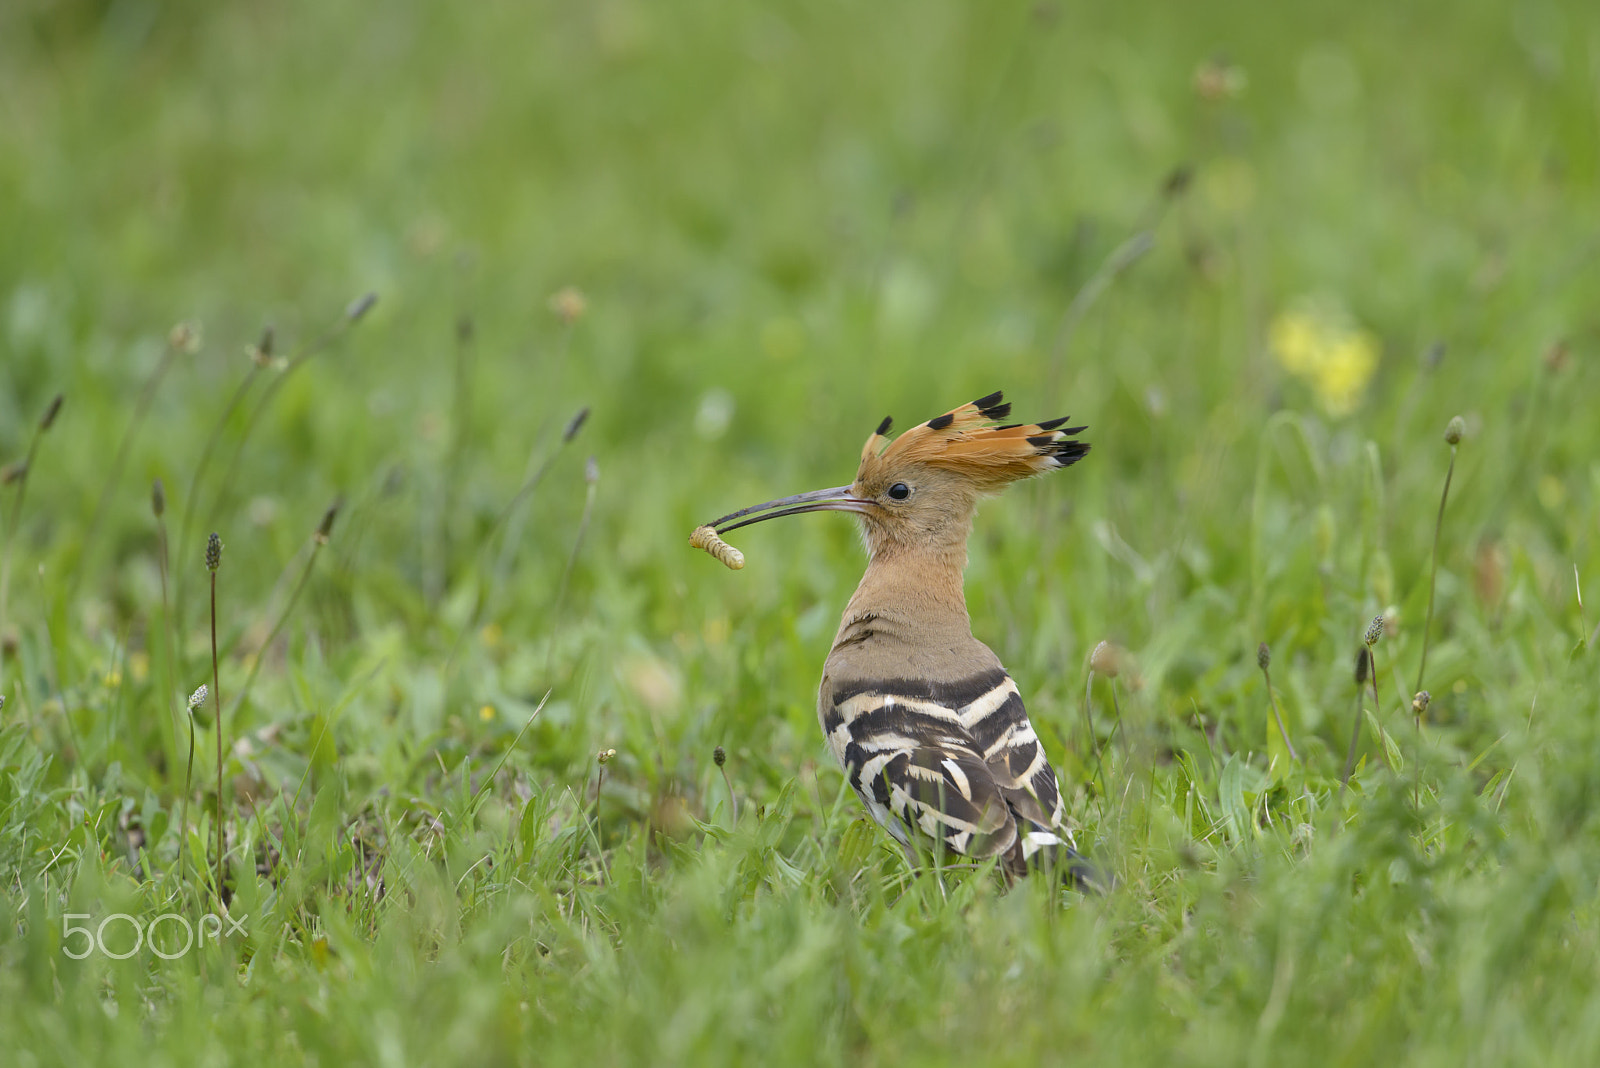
(928, 725)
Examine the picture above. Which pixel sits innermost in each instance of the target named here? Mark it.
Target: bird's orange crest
(969, 440)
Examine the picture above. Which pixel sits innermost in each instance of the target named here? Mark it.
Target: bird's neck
(910, 595)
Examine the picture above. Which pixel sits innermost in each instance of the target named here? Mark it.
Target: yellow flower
(1343, 375)
(1318, 342)
(1295, 340)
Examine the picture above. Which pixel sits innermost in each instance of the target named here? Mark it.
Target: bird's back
(935, 739)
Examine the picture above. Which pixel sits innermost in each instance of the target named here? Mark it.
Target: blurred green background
(1265, 252)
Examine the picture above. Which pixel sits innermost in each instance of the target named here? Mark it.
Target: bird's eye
(899, 491)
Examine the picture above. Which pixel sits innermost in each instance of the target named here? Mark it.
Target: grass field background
(1266, 254)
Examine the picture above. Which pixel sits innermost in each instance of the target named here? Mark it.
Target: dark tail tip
(1065, 864)
(1081, 873)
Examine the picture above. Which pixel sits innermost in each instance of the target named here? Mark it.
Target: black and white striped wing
(956, 763)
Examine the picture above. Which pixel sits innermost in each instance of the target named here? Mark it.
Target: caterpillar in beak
(706, 538)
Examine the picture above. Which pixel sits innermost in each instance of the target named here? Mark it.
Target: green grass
(787, 222)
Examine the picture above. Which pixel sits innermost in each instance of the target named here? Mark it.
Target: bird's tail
(1039, 849)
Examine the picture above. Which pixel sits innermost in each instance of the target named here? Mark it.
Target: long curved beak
(838, 499)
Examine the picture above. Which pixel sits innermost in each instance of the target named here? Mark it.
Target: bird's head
(919, 490)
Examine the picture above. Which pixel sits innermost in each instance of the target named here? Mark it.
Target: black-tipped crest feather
(993, 406)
